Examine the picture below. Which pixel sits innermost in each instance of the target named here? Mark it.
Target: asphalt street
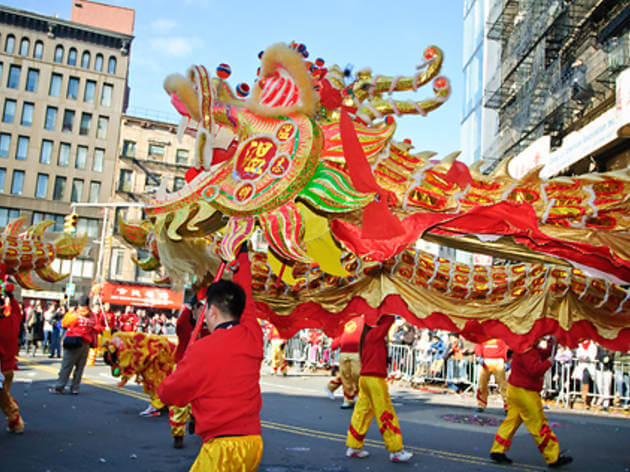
(303, 430)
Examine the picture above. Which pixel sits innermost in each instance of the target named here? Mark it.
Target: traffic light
(70, 224)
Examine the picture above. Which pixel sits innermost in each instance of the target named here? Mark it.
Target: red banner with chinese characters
(137, 295)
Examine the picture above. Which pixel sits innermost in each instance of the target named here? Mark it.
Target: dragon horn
(69, 247)
(24, 280)
(37, 231)
(365, 86)
(49, 275)
(148, 264)
(134, 232)
(13, 228)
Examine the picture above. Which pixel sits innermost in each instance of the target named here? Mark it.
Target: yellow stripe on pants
(374, 401)
(525, 406)
(229, 454)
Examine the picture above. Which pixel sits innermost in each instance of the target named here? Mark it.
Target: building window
(98, 63)
(60, 188)
(86, 122)
(156, 150)
(77, 191)
(95, 191)
(18, 182)
(64, 155)
(99, 158)
(8, 113)
(46, 151)
(22, 148)
(73, 88)
(3, 174)
(13, 81)
(106, 95)
(85, 60)
(5, 143)
(152, 181)
(51, 118)
(181, 157)
(81, 160)
(7, 215)
(68, 121)
(129, 148)
(32, 77)
(90, 91)
(178, 183)
(72, 57)
(111, 65)
(124, 183)
(59, 53)
(55, 85)
(116, 267)
(101, 127)
(38, 52)
(27, 114)
(89, 226)
(25, 45)
(42, 186)
(9, 46)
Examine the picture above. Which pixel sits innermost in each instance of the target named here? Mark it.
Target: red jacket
(184, 328)
(528, 368)
(220, 374)
(10, 320)
(492, 349)
(374, 352)
(349, 340)
(82, 322)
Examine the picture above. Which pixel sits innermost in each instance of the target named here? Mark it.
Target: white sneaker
(357, 453)
(346, 405)
(150, 411)
(400, 456)
(330, 394)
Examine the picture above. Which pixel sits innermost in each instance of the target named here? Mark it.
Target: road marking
(314, 433)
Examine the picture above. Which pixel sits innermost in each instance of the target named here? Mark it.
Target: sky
(389, 37)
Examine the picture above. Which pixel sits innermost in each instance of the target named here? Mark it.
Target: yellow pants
(277, 356)
(177, 418)
(494, 367)
(374, 401)
(229, 454)
(8, 405)
(525, 406)
(349, 371)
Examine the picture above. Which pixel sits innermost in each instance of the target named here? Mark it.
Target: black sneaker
(178, 442)
(191, 427)
(56, 390)
(500, 458)
(562, 460)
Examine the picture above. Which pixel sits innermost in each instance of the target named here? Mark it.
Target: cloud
(175, 46)
(163, 25)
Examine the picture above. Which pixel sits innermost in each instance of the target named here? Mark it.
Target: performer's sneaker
(58, 391)
(178, 442)
(191, 427)
(346, 406)
(330, 394)
(500, 458)
(150, 411)
(562, 460)
(15, 430)
(357, 453)
(400, 456)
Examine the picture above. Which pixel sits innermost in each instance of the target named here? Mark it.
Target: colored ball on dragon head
(242, 89)
(224, 71)
(319, 62)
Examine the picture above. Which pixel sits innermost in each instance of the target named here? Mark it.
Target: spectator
(454, 358)
(438, 351)
(34, 328)
(622, 378)
(83, 327)
(49, 314)
(55, 337)
(422, 346)
(585, 370)
(604, 375)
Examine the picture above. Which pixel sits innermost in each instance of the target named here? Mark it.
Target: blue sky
(389, 37)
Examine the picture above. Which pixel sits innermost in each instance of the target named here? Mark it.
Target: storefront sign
(137, 295)
(41, 294)
(622, 103)
(535, 154)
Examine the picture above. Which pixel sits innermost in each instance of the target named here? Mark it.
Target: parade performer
(10, 320)
(374, 400)
(492, 356)
(278, 345)
(83, 328)
(178, 416)
(525, 406)
(349, 362)
(220, 377)
(150, 357)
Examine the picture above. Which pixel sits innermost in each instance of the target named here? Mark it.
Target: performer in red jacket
(492, 355)
(525, 406)
(220, 377)
(349, 362)
(374, 400)
(10, 320)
